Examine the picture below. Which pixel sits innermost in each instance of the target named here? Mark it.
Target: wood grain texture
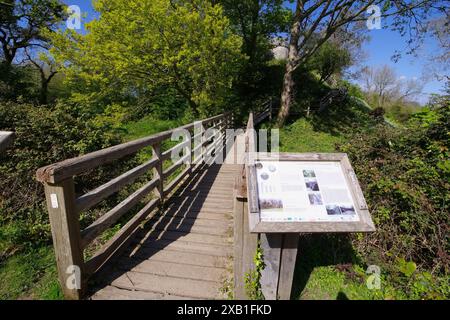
(287, 267)
(183, 251)
(271, 248)
(177, 230)
(112, 216)
(71, 167)
(93, 197)
(66, 235)
(6, 139)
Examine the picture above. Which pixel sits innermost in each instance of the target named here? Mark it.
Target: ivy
(253, 277)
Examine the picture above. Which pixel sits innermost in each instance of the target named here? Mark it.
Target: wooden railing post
(65, 226)
(158, 172)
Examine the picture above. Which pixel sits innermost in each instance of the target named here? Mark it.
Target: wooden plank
(190, 237)
(287, 268)
(95, 196)
(220, 195)
(172, 269)
(238, 274)
(206, 223)
(185, 246)
(250, 244)
(311, 227)
(119, 239)
(198, 215)
(71, 167)
(168, 224)
(271, 247)
(66, 237)
(205, 205)
(114, 293)
(168, 285)
(177, 256)
(158, 173)
(112, 216)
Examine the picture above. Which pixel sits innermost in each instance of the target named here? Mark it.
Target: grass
(317, 276)
(328, 267)
(30, 275)
(302, 137)
(148, 126)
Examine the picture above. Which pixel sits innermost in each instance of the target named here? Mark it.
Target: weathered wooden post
(158, 172)
(6, 139)
(64, 221)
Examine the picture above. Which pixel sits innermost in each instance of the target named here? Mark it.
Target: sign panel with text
(316, 192)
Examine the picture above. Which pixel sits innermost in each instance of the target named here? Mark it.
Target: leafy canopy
(140, 45)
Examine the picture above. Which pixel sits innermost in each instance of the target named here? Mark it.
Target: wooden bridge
(189, 240)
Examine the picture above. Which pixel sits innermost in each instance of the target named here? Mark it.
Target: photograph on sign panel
(315, 199)
(312, 184)
(271, 204)
(309, 174)
(347, 210)
(333, 210)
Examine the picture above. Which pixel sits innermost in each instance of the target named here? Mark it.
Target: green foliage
(43, 136)
(317, 141)
(18, 83)
(352, 89)
(142, 45)
(23, 23)
(403, 174)
(31, 275)
(330, 59)
(252, 278)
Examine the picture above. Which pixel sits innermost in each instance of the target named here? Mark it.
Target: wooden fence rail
(246, 243)
(64, 206)
(6, 139)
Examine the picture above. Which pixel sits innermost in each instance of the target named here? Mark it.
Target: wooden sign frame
(365, 224)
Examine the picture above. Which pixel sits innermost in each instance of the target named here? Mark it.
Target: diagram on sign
(304, 191)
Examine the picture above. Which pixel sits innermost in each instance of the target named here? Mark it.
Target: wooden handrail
(64, 208)
(245, 242)
(68, 168)
(6, 138)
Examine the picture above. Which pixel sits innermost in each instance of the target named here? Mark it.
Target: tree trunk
(43, 96)
(288, 81)
(286, 95)
(194, 107)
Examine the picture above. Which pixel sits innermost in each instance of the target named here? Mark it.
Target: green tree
(22, 23)
(257, 21)
(140, 46)
(315, 22)
(330, 59)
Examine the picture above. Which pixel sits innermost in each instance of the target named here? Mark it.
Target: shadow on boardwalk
(184, 250)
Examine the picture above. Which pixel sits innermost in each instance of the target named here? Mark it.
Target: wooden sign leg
(271, 247)
(287, 267)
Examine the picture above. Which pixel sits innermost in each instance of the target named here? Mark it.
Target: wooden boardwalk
(189, 240)
(186, 251)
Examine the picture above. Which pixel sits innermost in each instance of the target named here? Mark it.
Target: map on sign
(304, 191)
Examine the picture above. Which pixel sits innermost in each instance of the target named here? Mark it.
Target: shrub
(405, 175)
(44, 135)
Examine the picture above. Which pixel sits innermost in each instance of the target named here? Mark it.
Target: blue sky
(379, 49)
